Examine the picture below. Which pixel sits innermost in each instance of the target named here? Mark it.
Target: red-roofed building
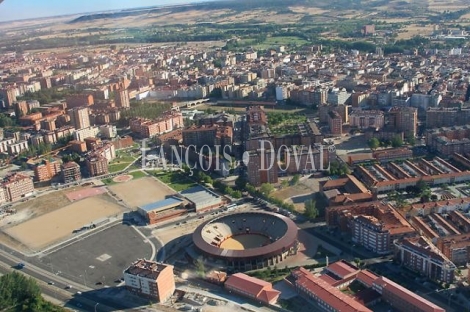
(401, 298)
(328, 297)
(252, 288)
(366, 278)
(342, 269)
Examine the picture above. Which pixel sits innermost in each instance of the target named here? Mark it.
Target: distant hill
(249, 5)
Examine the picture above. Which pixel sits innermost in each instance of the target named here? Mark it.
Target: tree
(266, 189)
(20, 293)
(284, 183)
(421, 185)
(240, 182)
(311, 210)
(411, 140)
(295, 179)
(200, 267)
(397, 141)
(374, 143)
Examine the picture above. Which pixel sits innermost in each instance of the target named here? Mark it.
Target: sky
(23, 9)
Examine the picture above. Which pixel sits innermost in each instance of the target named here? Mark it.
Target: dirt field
(55, 226)
(141, 191)
(301, 192)
(414, 30)
(41, 205)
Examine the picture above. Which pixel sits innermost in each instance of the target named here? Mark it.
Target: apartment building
(9, 96)
(420, 255)
(70, 172)
(262, 167)
(447, 117)
(149, 128)
(455, 247)
(97, 165)
(85, 133)
(256, 115)
(374, 225)
(404, 119)
(108, 131)
(122, 98)
(364, 119)
(370, 233)
(79, 117)
(16, 186)
(199, 136)
(303, 159)
(77, 100)
(17, 147)
(335, 123)
(448, 141)
(47, 170)
(338, 96)
(150, 279)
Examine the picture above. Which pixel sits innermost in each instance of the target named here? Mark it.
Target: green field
(117, 167)
(174, 179)
(138, 174)
(108, 181)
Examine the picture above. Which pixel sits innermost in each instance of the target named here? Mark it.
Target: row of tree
(20, 293)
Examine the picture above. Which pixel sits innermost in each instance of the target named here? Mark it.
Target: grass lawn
(174, 179)
(117, 167)
(123, 159)
(138, 174)
(108, 181)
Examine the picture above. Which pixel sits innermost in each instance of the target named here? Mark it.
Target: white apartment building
(82, 134)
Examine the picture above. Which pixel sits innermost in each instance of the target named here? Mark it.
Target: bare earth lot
(57, 225)
(299, 193)
(141, 191)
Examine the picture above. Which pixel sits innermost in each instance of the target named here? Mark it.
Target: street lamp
(96, 305)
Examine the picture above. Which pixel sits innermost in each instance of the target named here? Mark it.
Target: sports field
(141, 191)
(244, 241)
(52, 227)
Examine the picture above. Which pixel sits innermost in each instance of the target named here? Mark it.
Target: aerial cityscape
(294, 155)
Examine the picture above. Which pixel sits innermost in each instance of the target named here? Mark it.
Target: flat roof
(201, 196)
(168, 202)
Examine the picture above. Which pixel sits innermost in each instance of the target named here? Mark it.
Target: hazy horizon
(11, 10)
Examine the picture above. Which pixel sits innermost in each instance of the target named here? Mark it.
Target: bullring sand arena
(244, 241)
(247, 240)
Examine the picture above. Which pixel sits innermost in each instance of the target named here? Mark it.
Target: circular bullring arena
(248, 240)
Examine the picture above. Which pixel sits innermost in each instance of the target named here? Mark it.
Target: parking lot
(100, 258)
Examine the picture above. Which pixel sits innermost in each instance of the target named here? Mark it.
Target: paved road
(86, 299)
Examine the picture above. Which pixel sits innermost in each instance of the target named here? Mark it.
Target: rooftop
(162, 204)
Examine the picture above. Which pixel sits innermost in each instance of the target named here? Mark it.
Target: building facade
(79, 117)
(150, 279)
(71, 172)
(262, 167)
(16, 186)
(419, 254)
(335, 123)
(47, 170)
